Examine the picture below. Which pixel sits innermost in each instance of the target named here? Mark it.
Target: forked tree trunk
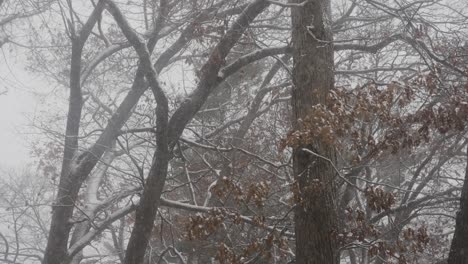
(459, 248)
(313, 77)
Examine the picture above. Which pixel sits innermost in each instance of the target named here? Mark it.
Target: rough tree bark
(459, 248)
(61, 225)
(313, 77)
(154, 184)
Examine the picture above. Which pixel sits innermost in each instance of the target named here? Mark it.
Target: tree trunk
(313, 77)
(70, 180)
(459, 248)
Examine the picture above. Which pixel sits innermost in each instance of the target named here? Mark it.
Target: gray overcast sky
(14, 106)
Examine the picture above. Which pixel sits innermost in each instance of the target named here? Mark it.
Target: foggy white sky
(14, 108)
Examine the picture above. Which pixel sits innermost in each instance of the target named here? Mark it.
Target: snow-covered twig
(302, 4)
(204, 209)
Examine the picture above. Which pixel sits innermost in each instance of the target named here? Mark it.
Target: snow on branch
(98, 229)
(86, 239)
(302, 4)
(205, 209)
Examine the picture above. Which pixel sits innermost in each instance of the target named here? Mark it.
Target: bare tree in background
(13, 18)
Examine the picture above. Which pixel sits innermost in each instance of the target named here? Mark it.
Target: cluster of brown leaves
(256, 192)
(414, 240)
(349, 118)
(259, 248)
(411, 243)
(228, 187)
(455, 52)
(336, 119)
(201, 226)
(378, 199)
(227, 255)
(357, 228)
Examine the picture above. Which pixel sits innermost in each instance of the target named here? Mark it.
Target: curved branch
(86, 239)
(209, 72)
(372, 48)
